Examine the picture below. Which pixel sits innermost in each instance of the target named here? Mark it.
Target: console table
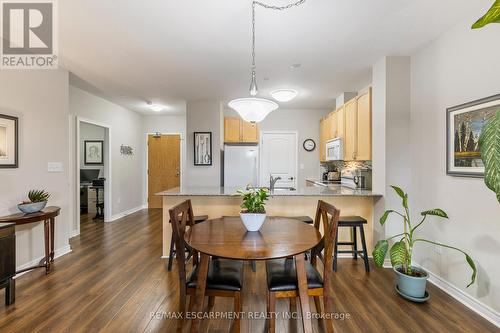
(8, 261)
(48, 216)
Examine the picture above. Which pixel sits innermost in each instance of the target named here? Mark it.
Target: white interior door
(278, 158)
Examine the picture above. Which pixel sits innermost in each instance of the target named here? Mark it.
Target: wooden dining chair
(224, 278)
(282, 276)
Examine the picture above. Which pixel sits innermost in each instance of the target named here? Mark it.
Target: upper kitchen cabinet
(332, 126)
(249, 132)
(323, 137)
(239, 131)
(364, 127)
(351, 129)
(351, 122)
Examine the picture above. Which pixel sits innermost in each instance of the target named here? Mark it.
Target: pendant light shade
(253, 109)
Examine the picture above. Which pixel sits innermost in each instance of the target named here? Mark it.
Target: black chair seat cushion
(223, 274)
(281, 275)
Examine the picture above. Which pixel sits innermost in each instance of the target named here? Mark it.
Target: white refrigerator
(241, 166)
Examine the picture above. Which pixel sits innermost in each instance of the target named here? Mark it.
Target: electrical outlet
(438, 249)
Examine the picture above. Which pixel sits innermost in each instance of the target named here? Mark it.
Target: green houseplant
(411, 281)
(253, 213)
(492, 16)
(489, 144)
(37, 201)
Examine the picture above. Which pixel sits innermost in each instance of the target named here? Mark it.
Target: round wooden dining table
(278, 237)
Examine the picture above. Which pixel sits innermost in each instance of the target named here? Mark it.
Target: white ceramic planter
(253, 222)
(411, 286)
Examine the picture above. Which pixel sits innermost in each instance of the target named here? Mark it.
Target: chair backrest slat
(327, 215)
(181, 216)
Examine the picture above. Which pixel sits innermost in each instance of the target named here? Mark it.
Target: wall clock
(309, 145)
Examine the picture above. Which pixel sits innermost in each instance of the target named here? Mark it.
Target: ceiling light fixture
(255, 109)
(155, 107)
(284, 95)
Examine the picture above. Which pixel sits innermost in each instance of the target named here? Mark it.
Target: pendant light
(253, 109)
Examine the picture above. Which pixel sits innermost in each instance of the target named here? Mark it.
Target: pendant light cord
(294, 4)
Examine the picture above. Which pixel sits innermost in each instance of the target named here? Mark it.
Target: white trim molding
(125, 213)
(57, 253)
(472, 303)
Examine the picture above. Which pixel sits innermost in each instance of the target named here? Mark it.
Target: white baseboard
(125, 213)
(57, 253)
(73, 233)
(472, 303)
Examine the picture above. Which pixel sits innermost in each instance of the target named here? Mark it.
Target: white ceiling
(170, 51)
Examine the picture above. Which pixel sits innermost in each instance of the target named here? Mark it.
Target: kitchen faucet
(272, 182)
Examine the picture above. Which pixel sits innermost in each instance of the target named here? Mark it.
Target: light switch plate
(54, 167)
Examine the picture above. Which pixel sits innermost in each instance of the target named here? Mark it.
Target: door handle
(290, 178)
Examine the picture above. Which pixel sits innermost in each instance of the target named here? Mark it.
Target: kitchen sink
(277, 188)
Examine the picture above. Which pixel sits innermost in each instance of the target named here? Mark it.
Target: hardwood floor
(115, 281)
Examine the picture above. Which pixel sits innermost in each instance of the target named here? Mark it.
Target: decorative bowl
(33, 207)
(253, 222)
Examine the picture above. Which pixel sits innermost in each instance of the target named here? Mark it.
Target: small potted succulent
(37, 202)
(253, 213)
(411, 281)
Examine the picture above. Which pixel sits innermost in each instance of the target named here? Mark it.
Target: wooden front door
(163, 166)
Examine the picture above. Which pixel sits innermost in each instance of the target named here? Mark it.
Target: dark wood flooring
(115, 281)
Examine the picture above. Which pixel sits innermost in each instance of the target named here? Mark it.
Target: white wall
(125, 128)
(203, 116)
(40, 99)
(89, 132)
(461, 66)
(306, 123)
(167, 124)
(391, 138)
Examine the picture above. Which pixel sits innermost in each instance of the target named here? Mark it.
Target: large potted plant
(410, 280)
(37, 201)
(253, 213)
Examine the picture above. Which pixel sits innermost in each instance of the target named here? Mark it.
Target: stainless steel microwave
(334, 150)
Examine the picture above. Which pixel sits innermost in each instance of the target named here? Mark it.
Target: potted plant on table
(253, 213)
(37, 201)
(411, 281)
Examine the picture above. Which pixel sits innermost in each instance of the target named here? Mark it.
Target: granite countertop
(313, 191)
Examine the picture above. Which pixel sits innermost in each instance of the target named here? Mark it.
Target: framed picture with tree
(464, 124)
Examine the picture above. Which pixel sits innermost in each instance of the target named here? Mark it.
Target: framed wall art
(9, 142)
(202, 148)
(94, 153)
(463, 127)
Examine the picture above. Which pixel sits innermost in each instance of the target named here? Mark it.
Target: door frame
(107, 171)
(146, 164)
(261, 142)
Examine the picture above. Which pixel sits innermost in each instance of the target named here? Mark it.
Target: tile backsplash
(347, 167)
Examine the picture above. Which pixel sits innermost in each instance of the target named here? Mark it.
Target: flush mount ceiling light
(255, 109)
(284, 95)
(155, 107)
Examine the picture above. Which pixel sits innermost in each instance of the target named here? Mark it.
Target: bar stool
(352, 222)
(197, 219)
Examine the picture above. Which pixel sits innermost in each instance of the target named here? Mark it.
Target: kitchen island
(223, 201)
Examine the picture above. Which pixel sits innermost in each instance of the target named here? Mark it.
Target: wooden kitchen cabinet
(239, 131)
(351, 130)
(332, 125)
(351, 122)
(249, 132)
(323, 134)
(364, 127)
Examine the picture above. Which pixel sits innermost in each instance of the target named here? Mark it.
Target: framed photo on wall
(93, 152)
(202, 148)
(9, 142)
(463, 127)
